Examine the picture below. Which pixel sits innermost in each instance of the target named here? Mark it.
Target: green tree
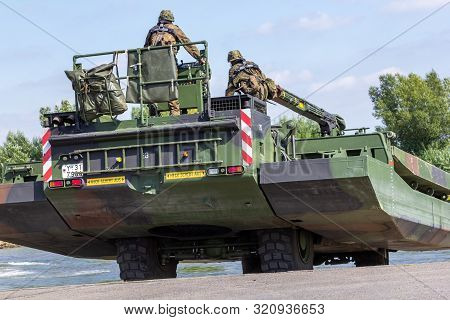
(36, 149)
(17, 148)
(440, 157)
(305, 128)
(65, 106)
(136, 112)
(416, 109)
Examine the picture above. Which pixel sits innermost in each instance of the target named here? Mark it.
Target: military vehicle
(218, 182)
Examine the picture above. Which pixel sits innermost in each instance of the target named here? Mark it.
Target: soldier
(166, 33)
(246, 77)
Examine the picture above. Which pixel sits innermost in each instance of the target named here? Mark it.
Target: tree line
(416, 108)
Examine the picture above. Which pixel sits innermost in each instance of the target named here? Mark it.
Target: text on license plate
(185, 174)
(72, 170)
(92, 182)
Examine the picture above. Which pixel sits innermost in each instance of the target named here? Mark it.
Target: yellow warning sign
(105, 181)
(185, 175)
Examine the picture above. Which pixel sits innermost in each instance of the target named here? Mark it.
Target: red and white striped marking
(47, 156)
(246, 135)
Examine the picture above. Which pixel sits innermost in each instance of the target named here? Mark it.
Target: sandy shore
(6, 245)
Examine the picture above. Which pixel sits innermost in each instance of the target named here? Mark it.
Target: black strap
(244, 67)
(162, 28)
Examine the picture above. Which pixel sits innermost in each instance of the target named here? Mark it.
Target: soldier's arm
(246, 87)
(230, 89)
(147, 39)
(193, 50)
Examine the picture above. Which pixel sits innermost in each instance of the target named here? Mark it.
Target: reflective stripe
(48, 176)
(46, 166)
(246, 137)
(47, 156)
(246, 148)
(45, 148)
(247, 130)
(246, 159)
(246, 119)
(46, 136)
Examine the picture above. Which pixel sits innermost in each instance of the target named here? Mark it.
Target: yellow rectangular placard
(105, 181)
(185, 174)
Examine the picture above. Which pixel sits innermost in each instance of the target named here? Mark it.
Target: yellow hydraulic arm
(330, 124)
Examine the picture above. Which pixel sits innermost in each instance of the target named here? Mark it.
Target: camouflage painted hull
(27, 218)
(355, 201)
(85, 222)
(198, 208)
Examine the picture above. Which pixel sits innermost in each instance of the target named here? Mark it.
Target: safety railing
(204, 78)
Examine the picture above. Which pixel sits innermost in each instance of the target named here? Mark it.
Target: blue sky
(300, 44)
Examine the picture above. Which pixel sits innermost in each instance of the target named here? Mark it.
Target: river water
(27, 268)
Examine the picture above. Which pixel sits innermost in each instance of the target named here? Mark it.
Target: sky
(300, 44)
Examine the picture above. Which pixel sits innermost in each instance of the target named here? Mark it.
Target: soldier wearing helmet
(167, 33)
(246, 77)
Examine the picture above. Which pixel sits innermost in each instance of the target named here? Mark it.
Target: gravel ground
(419, 281)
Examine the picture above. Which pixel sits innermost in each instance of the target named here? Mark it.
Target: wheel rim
(304, 245)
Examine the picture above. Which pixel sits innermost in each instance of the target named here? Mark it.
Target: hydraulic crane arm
(330, 124)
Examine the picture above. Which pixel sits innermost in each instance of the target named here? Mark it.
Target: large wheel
(379, 257)
(285, 250)
(138, 259)
(251, 264)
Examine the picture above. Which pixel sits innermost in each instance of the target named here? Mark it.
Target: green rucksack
(156, 65)
(98, 92)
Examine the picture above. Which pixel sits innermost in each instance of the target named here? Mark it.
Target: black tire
(283, 250)
(372, 258)
(138, 260)
(251, 264)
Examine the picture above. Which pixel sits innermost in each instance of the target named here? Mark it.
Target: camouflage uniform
(246, 77)
(166, 33)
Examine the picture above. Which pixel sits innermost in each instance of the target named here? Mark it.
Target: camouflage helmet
(166, 15)
(234, 55)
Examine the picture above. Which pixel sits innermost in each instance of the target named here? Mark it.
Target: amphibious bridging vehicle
(219, 182)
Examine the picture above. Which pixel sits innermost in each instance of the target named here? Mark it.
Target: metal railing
(139, 77)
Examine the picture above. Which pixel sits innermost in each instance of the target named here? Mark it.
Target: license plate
(92, 182)
(72, 170)
(185, 175)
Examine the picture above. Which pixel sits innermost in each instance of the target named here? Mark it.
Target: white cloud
(372, 79)
(265, 28)
(412, 5)
(316, 21)
(288, 77)
(344, 83)
(320, 21)
(351, 82)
